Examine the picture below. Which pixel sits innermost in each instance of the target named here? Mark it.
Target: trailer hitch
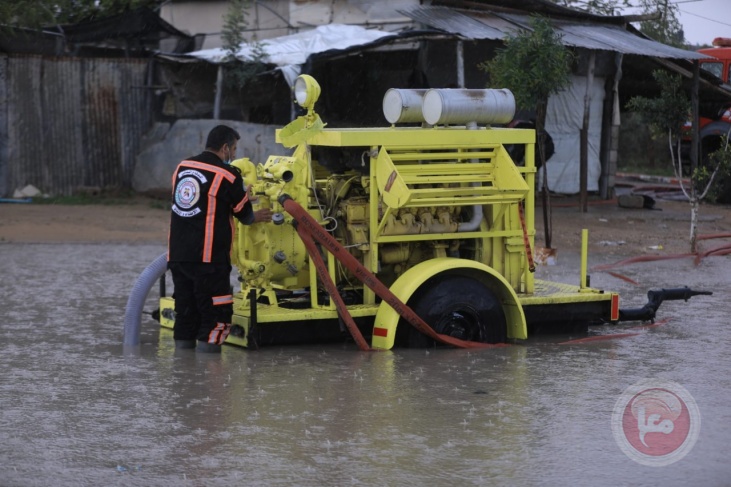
(654, 299)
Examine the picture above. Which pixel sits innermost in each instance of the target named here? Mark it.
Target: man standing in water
(207, 193)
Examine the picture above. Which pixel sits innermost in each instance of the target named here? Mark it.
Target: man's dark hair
(220, 135)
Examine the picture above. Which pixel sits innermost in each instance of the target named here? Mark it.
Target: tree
(235, 23)
(533, 64)
(666, 114)
(666, 28)
(601, 7)
(36, 14)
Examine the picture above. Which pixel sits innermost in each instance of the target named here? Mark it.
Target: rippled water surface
(76, 408)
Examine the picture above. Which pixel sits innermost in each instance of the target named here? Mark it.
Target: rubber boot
(184, 344)
(205, 347)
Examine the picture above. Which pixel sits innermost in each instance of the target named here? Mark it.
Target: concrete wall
(165, 146)
(283, 17)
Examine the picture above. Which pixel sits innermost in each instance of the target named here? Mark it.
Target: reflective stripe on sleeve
(240, 206)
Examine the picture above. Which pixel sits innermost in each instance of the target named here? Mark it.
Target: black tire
(457, 305)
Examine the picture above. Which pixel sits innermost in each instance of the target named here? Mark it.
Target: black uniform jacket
(207, 194)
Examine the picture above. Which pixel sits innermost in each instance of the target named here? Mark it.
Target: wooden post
(219, 93)
(694, 137)
(584, 139)
(609, 169)
(460, 64)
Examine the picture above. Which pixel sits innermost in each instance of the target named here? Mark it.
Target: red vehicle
(713, 124)
(715, 119)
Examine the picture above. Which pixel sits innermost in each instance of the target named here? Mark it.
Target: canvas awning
(289, 53)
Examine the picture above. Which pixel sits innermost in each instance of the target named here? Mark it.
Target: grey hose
(136, 301)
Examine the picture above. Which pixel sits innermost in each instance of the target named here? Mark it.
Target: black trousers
(203, 301)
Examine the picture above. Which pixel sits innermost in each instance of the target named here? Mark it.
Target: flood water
(77, 408)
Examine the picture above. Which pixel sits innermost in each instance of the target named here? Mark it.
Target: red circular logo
(656, 422)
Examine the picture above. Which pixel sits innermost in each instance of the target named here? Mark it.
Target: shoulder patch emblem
(187, 193)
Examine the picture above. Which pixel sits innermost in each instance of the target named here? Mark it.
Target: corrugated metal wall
(71, 122)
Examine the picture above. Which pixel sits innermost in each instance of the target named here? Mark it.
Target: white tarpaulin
(564, 119)
(290, 52)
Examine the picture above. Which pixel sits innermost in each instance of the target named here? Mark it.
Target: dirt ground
(140, 220)
(612, 229)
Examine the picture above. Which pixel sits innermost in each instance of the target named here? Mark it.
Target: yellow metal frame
(468, 167)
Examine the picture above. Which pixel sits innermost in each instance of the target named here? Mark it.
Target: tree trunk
(545, 195)
(694, 204)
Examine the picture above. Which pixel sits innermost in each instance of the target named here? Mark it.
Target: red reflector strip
(380, 332)
(615, 307)
(218, 300)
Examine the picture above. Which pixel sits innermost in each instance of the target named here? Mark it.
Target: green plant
(36, 14)
(667, 113)
(238, 72)
(534, 64)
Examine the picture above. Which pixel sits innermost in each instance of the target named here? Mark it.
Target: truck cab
(721, 66)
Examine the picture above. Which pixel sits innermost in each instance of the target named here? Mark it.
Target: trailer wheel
(458, 306)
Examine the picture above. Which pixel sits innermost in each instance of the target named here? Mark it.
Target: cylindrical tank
(461, 106)
(402, 105)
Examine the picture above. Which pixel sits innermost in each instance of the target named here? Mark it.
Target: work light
(306, 91)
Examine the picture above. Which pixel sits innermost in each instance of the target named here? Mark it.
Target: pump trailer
(425, 231)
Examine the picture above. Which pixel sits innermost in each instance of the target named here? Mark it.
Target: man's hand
(263, 215)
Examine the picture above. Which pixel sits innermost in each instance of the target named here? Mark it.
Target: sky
(704, 20)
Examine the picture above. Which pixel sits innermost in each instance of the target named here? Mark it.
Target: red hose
(698, 256)
(309, 226)
(713, 235)
(332, 290)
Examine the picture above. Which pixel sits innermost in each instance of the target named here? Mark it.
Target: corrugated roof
(453, 21)
(589, 35)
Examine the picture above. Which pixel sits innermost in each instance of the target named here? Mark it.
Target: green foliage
(35, 14)
(668, 112)
(533, 64)
(234, 25)
(667, 28)
(720, 159)
(239, 73)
